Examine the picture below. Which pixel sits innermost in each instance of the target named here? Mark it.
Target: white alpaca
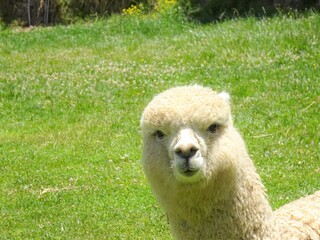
(201, 174)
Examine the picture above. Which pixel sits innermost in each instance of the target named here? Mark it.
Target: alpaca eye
(213, 128)
(159, 135)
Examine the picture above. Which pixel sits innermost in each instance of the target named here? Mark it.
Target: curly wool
(225, 199)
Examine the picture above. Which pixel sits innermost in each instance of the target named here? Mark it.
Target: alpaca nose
(186, 151)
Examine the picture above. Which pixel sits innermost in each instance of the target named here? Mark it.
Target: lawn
(71, 98)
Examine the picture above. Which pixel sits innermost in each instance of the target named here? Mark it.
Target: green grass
(71, 99)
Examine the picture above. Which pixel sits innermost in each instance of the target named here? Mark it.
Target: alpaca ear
(225, 96)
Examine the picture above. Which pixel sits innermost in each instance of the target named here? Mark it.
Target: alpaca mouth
(189, 173)
(188, 170)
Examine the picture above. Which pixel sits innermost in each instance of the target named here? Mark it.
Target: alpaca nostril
(186, 152)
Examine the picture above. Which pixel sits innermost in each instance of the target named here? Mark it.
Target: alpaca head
(198, 166)
(186, 134)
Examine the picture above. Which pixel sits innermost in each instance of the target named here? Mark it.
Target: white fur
(203, 177)
(224, 95)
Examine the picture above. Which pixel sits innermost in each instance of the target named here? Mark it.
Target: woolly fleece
(201, 174)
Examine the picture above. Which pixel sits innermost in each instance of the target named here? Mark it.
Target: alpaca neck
(228, 210)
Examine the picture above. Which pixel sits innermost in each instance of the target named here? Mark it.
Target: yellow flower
(163, 5)
(133, 10)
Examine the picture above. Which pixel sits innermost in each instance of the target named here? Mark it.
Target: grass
(71, 99)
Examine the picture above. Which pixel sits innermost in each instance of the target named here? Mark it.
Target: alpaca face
(181, 129)
(188, 148)
(186, 151)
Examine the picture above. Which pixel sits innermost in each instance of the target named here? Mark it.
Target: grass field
(71, 98)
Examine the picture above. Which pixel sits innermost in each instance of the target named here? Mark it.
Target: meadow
(71, 98)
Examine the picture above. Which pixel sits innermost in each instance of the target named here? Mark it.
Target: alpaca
(202, 176)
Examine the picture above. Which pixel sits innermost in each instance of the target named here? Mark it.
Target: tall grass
(71, 99)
